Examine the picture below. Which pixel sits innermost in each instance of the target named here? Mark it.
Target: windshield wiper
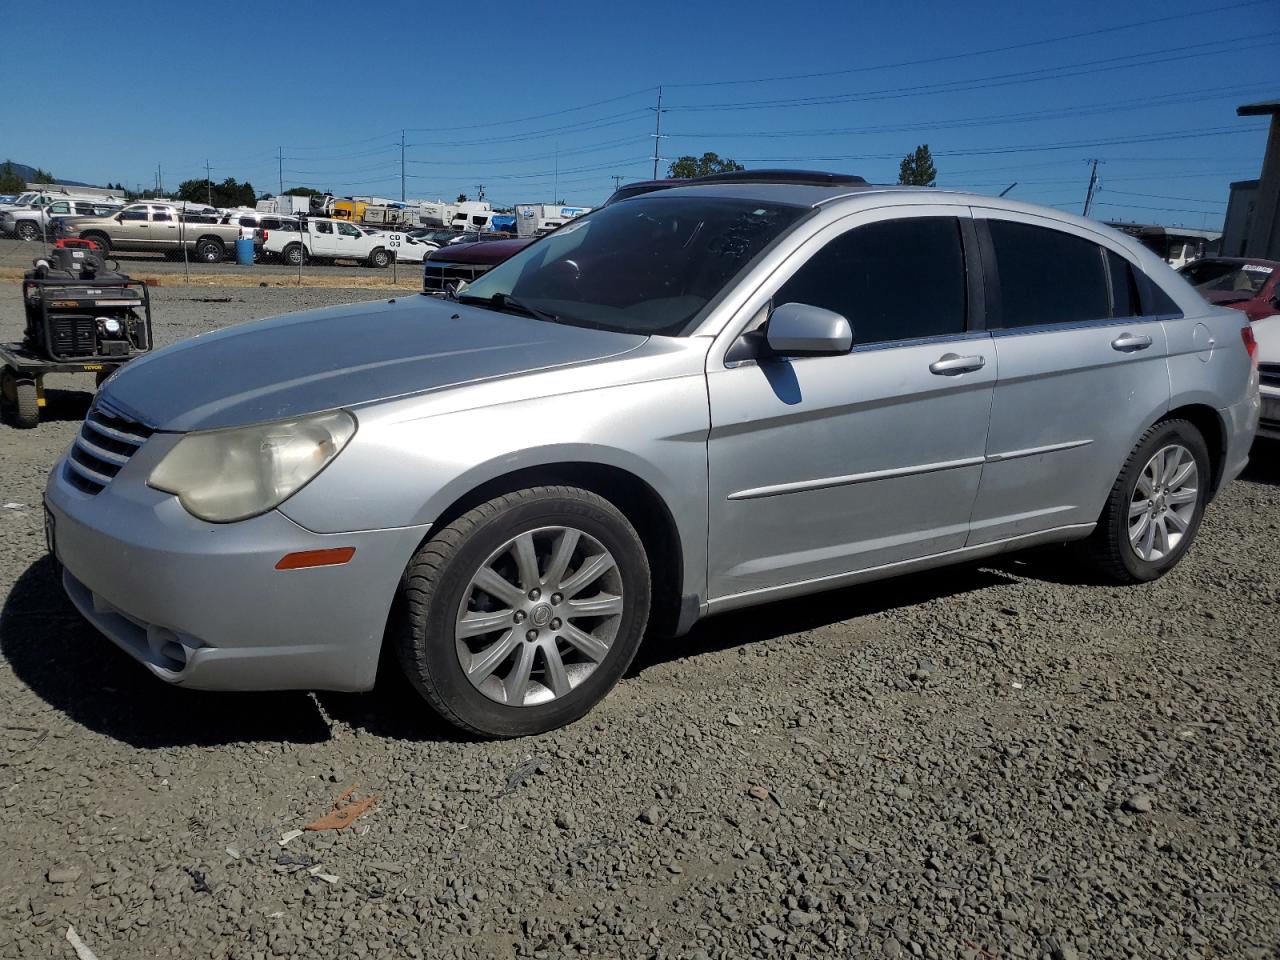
(501, 301)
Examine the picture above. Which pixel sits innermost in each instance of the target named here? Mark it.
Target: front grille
(106, 441)
(73, 336)
(1269, 374)
(437, 275)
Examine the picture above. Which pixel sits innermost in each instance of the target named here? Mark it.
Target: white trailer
(535, 219)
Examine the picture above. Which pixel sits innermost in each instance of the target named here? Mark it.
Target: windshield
(1213, 275)
(647, 266)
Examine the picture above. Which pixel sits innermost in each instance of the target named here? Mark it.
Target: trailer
(535, 219)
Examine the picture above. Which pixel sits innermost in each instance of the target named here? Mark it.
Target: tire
(1110, 550)
(379, 258)
(27, 230)
(438, 587)
(210, 250)
(26, 411)
(104, 245)
(294, 255)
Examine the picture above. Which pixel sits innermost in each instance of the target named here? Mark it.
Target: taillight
(1250, 342)
(265, 234)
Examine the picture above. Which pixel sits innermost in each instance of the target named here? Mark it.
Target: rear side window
(1047, 276)
(134, 214)
(893, 280)
(324, 227)
(1125, 301)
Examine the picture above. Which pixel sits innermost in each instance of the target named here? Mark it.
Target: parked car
(464, 262)
(158, 228)
(1246, 284)
(36, 221)
(1267, 332)
(326, 239)
(683, 403)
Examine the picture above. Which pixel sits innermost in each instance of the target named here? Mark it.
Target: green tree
(682, 168)
(228, 193)
(42, 176)
(462, 198)
(10, 182)
(917, 169)
(302, 192)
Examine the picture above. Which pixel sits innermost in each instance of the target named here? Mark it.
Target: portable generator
(81, 317)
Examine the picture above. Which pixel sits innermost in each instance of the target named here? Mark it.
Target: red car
(1242, 283)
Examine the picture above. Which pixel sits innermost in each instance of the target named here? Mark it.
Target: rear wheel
(210, 250)
(294, 254)
(379, 258)
(27, 230)
(524, 612)
(1155, 507)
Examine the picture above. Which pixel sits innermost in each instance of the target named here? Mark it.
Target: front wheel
(28, 230)
(524, 612)
(1155, 507)
(293, 254)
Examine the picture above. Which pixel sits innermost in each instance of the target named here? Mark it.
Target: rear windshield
(646, 266)
(1219, 277)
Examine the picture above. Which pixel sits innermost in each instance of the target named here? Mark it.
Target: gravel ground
(985, 762)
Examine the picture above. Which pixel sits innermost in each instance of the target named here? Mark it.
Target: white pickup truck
(322, 239)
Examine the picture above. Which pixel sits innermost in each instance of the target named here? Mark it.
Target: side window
(347, 230)
(84, 209)
(1047, 276)
(324, 226)
(893, 280)
(60, 207)
(1125, 301)
(160, 215)
(134, 213)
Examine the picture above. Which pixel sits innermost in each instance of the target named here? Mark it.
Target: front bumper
(202, 605)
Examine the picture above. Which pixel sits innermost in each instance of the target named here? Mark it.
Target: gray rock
(64, 873)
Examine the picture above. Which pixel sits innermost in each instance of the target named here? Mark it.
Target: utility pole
(479, 191)
(402, 166)
(159, 181)
(1093, 186)
(617, 181)
(657, 132)
(280, 161)
(555, 188)
(208, 181)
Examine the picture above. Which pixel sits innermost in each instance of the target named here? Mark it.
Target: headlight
(226, 475)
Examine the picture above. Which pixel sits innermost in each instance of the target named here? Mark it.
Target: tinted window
(60, 207)
(84, 209)
(347, 230)
(1047, 276)
(894, 280)
(136, 214)
(1124, 287)
(324, 227)
(161, 216)
(649, 265)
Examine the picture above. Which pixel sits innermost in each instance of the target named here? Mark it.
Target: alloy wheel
(1164, 502)
(539, 616)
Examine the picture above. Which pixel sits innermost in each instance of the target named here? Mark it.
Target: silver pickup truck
(140, 227)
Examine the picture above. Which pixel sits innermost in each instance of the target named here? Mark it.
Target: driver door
(824, 466)
(322, 239)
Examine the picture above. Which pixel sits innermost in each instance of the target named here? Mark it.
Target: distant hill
(27, 173)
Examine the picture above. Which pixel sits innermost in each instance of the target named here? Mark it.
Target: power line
(1161, 196)
(1060, 72)
(972, 53)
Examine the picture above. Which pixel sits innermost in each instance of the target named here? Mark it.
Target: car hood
(481, 251)
(342, 356)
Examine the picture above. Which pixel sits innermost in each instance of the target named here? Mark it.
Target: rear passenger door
(1081, 371)
(322, 239)
(164, 228)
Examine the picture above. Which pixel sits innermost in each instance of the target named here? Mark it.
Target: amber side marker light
(315, 558)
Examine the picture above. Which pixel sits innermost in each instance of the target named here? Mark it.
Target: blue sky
(531, 98)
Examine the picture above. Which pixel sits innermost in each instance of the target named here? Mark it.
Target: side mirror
(801, 330)
(118, 218)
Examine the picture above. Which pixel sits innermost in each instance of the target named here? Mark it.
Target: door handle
(950, 364)
(1128, 342)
